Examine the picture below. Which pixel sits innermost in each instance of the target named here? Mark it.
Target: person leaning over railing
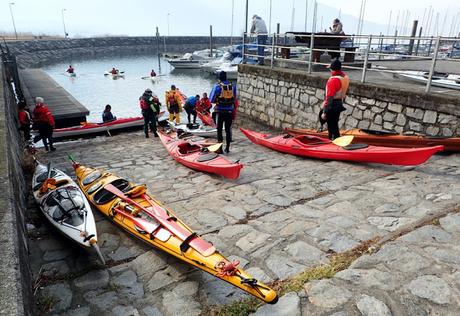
(260, 30)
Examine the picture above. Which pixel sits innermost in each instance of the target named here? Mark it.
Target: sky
(85, 18)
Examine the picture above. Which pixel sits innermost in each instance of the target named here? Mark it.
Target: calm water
(94, 90)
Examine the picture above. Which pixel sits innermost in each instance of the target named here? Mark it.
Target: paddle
(343, 140)
(214, 148)
(189, 238)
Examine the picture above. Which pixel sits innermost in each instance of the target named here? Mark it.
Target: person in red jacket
(336, 89)
(44, 123)
(24, 120)
(204, 106)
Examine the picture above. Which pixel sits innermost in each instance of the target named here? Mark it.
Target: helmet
(148, 91)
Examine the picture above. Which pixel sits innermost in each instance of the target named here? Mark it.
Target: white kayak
(195, 129)
(438, 80)
(65, 206)
(120, 74)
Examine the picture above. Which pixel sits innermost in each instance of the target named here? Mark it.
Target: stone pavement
(283, 215)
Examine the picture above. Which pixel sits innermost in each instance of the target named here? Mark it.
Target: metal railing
(361, 49)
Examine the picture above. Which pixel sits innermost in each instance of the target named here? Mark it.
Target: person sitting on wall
(337, 27)
(336, 90)
(260, 30)
(107, 115)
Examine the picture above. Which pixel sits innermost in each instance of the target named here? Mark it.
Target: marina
(299, 167)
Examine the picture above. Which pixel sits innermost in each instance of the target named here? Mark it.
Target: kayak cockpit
(66, 205)
(188, 148)
(311, 140)
(104, 196)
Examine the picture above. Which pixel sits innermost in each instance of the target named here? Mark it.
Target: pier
(66, 109)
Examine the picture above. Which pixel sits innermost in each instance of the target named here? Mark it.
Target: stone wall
(290, 98)
(15, 284)
(37, 53)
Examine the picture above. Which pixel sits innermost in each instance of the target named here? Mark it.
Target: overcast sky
(193, 17)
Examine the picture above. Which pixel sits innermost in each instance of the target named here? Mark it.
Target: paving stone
(151, 311)
(371, 278)
(55, 255)
(102, 301)
(325, 294)
(92, 280)
(252, 241)
(338, 242)
(282, 266)
(165, 277)
(430, 287)
(80, 311)
(123, 253)
(147, 264)
(278, 200)
(55, 268)
(180, 301)
(341, 221)
(60, 294)
(260, 275)
(125, 311)
(235, 212)
(108, 242)
(428, 233)
(50, 244)
(451, 223)
(288, 305)
(306, 253)
(296, 227)
(370, 306)
(210, 219)
(127, 278)
(389, 223)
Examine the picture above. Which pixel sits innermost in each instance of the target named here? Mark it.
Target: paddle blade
(343, 140)
(214, 148)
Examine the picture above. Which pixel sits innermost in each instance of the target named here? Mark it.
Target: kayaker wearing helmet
(190, 107)
(174, 104)
(107, 115)
(150, 106)
(336, 89)
(223, 95)
(70, 70)
(44, 123)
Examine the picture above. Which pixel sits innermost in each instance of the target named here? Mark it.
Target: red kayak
(90, 128)
(195, 156)
(323, 148)
(206, 118)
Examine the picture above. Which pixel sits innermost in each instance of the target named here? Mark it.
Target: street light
(63, 23)
(12, 18)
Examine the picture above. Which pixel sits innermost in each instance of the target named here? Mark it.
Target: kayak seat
(355, 146)
(374, 132)
(206, 157)
(103, 196)
(96, 174)
(193, 126)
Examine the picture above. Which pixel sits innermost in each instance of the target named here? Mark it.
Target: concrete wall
(15, 283)
(37, 53)
(290, 98)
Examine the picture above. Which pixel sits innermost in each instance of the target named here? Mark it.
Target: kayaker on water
(223, 94)
(153, 73)
(174, 104)
(190, 107)
(150, 106)
(107, 115)
(114, 71)
(44, 123)
(336, 89)
(70, 70)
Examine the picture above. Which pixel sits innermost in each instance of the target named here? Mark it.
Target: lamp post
(12, 18)
(167, 20)
(63, 23)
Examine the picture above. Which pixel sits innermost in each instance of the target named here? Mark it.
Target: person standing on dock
(190, 107)
(336, 89)
(150, 106)
(44, 123)
(223, 95)
(337, 27)
(174, 104)
(260, 30)
(24, 120)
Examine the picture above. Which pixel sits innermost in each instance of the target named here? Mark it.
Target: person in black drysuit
(223, 95)
(150, 106)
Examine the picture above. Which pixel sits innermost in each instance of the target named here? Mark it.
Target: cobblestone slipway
(283, 215)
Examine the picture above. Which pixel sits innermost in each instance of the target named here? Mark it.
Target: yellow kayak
(133, 209)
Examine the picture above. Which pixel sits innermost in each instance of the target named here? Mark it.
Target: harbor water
(94, 90)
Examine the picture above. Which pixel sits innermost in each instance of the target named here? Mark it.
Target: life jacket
(172, 98)
(345, 82)
(226, 99)
(24, 117)
(144, 104)
(43, 115)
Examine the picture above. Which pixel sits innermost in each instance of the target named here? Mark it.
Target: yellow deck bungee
(130, 207)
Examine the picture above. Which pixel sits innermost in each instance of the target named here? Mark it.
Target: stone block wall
(290, 98)
(38, 53)
(15, 283)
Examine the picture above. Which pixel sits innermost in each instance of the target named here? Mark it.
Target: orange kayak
(387, 139)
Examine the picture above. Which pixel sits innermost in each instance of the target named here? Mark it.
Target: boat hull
(320, 148)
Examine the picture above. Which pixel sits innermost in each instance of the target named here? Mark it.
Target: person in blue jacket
(190, 107)
(223, 94)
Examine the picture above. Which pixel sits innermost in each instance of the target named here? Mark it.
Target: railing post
(244, 49)
(273, 50)
(366, 58)
(433, 65)
(312, 41)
